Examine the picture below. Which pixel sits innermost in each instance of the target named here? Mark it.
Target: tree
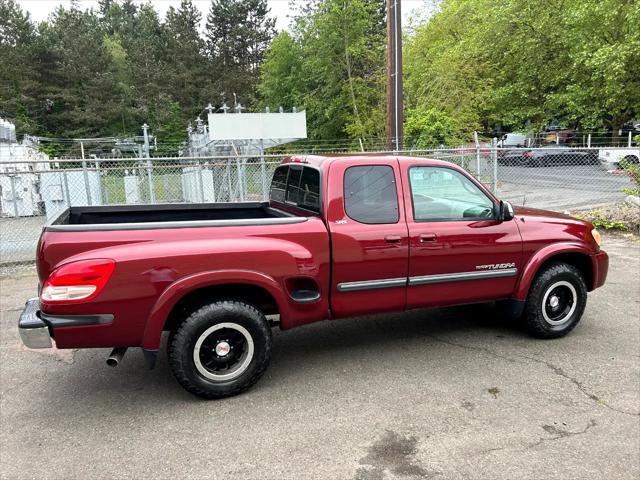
(77, 80)
(187, 72)
(171, 128)
(18, 79)
(147, 64)
(604, 51)
(519, 63)
(281, 81)
(428, 128)
(445, 68)
(336, 71)
(237, 35)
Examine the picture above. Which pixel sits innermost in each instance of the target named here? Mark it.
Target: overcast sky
(41, 9)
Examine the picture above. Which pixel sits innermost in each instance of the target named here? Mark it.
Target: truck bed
(123, 217)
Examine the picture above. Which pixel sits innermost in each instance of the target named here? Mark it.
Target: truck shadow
(311, 350)
(314, 343)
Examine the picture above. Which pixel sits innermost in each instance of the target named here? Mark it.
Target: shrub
(621, 216)
(634, 172)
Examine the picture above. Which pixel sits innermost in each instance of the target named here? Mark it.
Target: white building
(19, 164)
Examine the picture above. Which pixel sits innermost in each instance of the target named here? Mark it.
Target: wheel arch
(249, 293)
(575, 255)
(256, 288)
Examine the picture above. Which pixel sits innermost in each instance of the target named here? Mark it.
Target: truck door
(460, 252)
(369, 237)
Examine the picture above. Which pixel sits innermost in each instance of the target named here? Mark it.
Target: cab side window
(370, 194)
(441, 194)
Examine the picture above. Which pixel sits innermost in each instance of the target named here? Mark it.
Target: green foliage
(187, 71)
(428, 127)
(603, 219)
(171, 130)
(633, 171)
(17, 66)
(107, 71)
(53, 149)
(77, 91)
(237, 34)
(281, 80)
(331, 64)
(519, 64)
(473, 65)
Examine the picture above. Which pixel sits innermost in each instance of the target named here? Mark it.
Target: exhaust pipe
(116, 356)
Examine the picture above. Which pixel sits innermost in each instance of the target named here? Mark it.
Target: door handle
(428, 237)
(392, 238)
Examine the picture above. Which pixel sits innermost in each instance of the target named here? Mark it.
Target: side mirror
(506, 211)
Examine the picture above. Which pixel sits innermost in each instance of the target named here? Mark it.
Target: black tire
(564, 283)
(228, 374)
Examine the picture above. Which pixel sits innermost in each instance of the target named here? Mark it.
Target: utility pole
(395, 115)
(152, 189)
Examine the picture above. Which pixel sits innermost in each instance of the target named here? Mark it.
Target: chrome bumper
(33, 331)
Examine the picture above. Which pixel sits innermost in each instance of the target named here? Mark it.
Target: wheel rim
(559, 303)
(223, 351)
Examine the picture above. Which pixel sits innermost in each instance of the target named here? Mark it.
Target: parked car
(340, 236)
(549, 156)
(619, 158)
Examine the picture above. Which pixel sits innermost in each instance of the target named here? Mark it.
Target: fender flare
(183, 286)
(535, 262)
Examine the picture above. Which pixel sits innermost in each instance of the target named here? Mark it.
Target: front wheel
(556, 301)
(221, 349)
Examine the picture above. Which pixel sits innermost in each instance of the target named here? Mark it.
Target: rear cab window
(296, 186)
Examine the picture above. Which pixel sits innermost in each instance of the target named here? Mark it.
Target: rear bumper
(600, 268)
(33, 331)
(37, 328)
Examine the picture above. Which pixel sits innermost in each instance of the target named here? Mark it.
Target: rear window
(298, 186)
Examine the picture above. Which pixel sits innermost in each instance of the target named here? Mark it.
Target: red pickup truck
(340, 236)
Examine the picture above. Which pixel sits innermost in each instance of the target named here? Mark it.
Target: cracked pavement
(449, 393)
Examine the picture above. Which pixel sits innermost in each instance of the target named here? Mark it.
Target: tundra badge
(495, 266)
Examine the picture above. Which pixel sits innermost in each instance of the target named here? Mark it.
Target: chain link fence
(31, 193)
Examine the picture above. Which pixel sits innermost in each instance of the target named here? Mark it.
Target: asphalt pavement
(443, 394)
(560, 188)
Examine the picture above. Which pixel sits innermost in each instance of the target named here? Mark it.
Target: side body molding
(174, 292)
(535, 262)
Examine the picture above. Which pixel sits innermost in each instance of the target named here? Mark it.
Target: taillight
(77, 281)
(527, 154)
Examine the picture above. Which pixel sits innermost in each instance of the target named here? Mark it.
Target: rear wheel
(221, 349)
(556, 301)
